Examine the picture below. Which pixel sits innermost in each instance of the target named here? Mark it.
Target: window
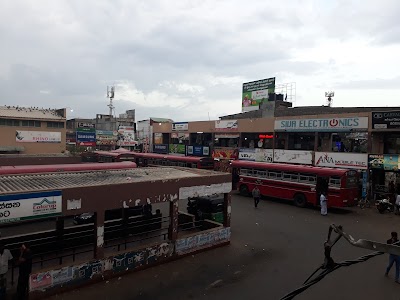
(334, 181)
(55, 124)
(310, 179)
(275, 175)
(260, 173)
(350, 142)
(290, 176)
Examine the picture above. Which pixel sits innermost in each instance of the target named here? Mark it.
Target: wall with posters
(20, 207)
(293, 156)
(37, 137)
(341, 160)
(256, 154)
(322, 124)
(226, 125)
(225, 153)
(126, 136)
(256, 92)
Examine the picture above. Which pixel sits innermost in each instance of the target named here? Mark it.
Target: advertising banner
(86, 125)
(386, 120)
(328, 124)
(106, 137)
(180, 126)
(226, 125)
(387, 162)
(197, 151)
(256, 92)
(126, 136)
(84, 138)
(256, 154)
(225, 153)
(180, 136)
(341, 160)
(30, 206)
(177, 148)
(293, 156)
(158, 138)
(37, 137)
(160, 148)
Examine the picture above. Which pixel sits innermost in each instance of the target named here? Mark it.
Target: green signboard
(177, 148)
(387, 162)
(256, 92)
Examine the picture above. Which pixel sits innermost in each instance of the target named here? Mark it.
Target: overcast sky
(187, 59)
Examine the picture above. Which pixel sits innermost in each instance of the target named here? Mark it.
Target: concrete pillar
(316, 141)
(173, 217)
(227, 209)
(99, 235)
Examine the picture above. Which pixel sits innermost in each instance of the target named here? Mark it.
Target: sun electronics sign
(328, 124)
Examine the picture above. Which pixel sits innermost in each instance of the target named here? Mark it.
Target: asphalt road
(274, 249)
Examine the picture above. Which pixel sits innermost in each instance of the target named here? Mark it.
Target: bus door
(322, 185)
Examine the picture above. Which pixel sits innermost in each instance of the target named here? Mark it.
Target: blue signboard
(160, 148)
(197, 151)
(82, 137)
(364, 184)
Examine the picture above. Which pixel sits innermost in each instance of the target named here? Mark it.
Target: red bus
(154, 159)
(302, 184)
(108, 156)
(8, 170)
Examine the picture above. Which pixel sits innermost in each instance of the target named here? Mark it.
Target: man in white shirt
(5, 257)
(324, 203)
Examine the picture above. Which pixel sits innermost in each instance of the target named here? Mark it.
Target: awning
(227, 136)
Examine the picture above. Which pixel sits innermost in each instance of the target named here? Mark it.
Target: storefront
(384, 173)
(262, 140)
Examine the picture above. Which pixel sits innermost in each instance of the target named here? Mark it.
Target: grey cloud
(372, 84)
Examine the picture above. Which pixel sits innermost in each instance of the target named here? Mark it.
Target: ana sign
(341, 160)
(329, 124)
(226, 125)
(30, 206)
(37, 137)
(256, 154)
(180, 126)
(386, 120)
(293, 156)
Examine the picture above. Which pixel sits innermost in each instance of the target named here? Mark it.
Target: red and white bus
(29, 169)
(302, 184)
(154, 159)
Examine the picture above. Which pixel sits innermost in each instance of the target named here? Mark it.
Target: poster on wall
(126, 136)
(19, 207)
(387, 162)
(225, 153)
(177, 148)
(341, 160)
(226, 125)
(256, 154)
(180, 126)
(256, 92)
(197, 150)
(160, 148)
(37, 137)
(293, 156)
(158, 138)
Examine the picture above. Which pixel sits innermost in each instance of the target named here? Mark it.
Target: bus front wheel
(244, 190)
(300, 200)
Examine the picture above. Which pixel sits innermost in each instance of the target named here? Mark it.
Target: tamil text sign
(21, 207)
(180, 126)
(37, 137)
(386, 120)
(328, 124)
(256, 92)
(293, 156)
(226, 125)
(256, 154)
(341, 160)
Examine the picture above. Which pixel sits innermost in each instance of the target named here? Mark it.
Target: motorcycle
(384, 205)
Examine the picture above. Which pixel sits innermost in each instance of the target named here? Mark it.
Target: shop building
(32, 130)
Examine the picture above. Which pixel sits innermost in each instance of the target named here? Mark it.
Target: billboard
(256, 92)
(85, 138)
(303, 157)
(341, 160)
(180, 126)
(19, 207)
(225, 153)
(226, 125)
(160, 148)
(197, 151)
(37, 137)
(387, 162)
(323, 124)
(256, 154)
(126, 136)
(386, 120)
(177, 148)
(106, 137)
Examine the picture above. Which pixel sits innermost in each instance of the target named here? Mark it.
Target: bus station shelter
(62, 195)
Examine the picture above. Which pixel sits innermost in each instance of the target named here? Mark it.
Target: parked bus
(302, 184)
(154, 159)
(9, 170)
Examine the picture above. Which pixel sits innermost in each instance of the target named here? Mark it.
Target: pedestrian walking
(324, 203)
(25, 269)
(5, 257)
(393, 258)
(256, 196)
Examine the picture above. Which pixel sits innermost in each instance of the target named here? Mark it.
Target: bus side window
(194, 165)
(261, 173)
(334, 181)
(274, 175)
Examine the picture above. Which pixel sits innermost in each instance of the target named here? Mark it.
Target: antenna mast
(110, 95)
(329, 95)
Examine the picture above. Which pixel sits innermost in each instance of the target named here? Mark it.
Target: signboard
(180, 126)
(226, 125)
(387, 162)
(256, 154)
(84, 138)
(177, 148)
(106, 137)
(86, 130)
(126, 136)
(86, 125)
(386, 120)
(328, 124)
(37, 137)
(158, 138)
(341, 160)
(197, 151)
(30, 206)
(160, 148)
(225, 153)
(293, 156)
(256, 92)
(180, 136)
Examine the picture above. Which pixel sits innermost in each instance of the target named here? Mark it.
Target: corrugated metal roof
(29, 113)
(161, 120)
(15, 184)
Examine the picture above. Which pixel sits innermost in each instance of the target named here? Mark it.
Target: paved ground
(274, 248)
